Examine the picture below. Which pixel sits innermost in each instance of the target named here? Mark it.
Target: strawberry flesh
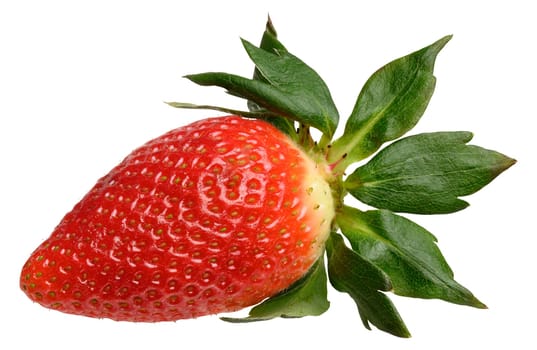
(208, 218)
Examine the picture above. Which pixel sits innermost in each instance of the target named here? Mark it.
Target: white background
(83, 83)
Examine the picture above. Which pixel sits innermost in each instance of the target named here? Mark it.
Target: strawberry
(211, 217)
(245, 209)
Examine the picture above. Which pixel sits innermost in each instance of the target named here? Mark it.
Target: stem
(338, 192)
(339, 166)
(304, 137)
(324, 141)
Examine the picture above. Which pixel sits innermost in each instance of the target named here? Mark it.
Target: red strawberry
(211, 217)
(227, 212)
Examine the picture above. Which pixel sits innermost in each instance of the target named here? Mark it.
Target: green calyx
(421, 174)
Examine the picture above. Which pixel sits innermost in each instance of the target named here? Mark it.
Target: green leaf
(252, 114)
(289, 88)
(290, 75)
(307, 297)
(270, 43)
(426, 173)
(350, 273)
(391, 102)
(406, 252)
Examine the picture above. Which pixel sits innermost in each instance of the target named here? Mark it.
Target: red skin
(207, 218)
